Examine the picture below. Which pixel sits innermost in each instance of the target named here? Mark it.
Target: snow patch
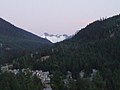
(54, 38)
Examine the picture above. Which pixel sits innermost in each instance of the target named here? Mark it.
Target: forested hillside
(15, 41)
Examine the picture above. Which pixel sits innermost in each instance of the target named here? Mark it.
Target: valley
(90, 60)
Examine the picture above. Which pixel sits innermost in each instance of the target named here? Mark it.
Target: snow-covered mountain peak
(55, 38)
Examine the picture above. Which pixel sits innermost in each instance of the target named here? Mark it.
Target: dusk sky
(56, 16)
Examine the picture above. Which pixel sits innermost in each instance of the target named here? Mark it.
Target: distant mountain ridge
(55, 38)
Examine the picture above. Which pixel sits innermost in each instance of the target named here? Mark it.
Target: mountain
(55, 38)
(95, 47)
(90, 60)
(15, 40)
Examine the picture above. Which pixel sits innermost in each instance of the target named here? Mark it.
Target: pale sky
(56, 16)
